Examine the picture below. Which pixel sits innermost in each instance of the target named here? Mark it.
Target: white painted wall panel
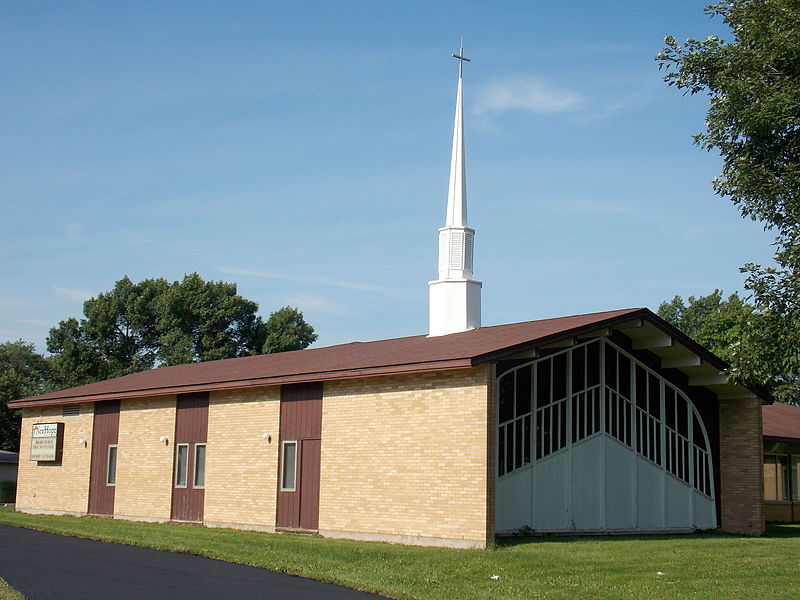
(550, 508)
(620, 488)
(514, 501)
(649, 494)
(587, 484)
(678, 502)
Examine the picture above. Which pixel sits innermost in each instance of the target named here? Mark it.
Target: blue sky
(301, 150)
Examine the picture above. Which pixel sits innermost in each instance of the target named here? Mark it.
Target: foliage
(753, 120)
(137, 326)
(286, 330)
(9, 593)
(715, 323)
(23, 373)
(619, 567)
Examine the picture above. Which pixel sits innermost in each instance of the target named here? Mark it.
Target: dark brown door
(299, 465)
(188, 473)
(103, 475)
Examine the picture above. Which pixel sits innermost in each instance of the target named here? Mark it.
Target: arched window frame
(636, 427)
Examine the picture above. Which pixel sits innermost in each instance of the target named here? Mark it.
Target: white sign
(45, 441)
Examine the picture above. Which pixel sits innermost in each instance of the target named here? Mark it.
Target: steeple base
(455, 305)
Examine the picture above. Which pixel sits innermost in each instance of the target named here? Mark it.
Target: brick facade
(144, 462)
(404, 458)
(741, 466)
(242, 466)
(50, 487)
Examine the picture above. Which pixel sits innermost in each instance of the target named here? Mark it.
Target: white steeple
(455, 298)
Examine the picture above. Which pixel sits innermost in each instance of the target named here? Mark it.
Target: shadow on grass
(774, 530)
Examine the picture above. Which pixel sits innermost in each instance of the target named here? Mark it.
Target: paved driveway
(45, 566)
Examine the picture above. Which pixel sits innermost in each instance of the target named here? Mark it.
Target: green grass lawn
(691, 566)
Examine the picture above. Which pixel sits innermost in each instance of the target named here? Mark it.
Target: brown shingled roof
(781, 421)
(357, 359)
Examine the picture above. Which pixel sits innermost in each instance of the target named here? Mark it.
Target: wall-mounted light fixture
(164, 440)
(267, 437)
(82, 442)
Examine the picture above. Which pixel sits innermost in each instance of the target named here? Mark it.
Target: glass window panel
(783, 477)
(507, 397)
(592, 364)
(543, 383)
(518, 444)
(560, 376)
(501, 451)
(611, 367)
(181, 465)
(795, 468)
(200, 465)
(523, 391)
(526, 450)
(289, 466)
(625, 376)
(654, 395)
(641, 388)
(770, 477)
(578, 369)
(111, 475)
(669, 407)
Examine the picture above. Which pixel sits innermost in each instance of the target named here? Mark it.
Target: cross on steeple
(461, 58)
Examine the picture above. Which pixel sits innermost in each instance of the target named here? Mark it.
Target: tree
(753, 83)
(738, 333)
(23, 372)
(137, 326)
(287, 330)
(715, 323)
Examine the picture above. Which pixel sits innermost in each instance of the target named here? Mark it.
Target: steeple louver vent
(456, 241)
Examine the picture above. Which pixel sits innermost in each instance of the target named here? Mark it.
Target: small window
(288, 466)
(111, 474)
(200, 465)
(181, 465)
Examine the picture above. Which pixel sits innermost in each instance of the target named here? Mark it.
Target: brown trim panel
(191, 429)
(105, 433)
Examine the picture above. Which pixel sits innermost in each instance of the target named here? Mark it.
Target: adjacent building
(781, 462)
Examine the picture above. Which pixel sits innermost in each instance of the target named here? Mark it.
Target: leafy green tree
(287, 330)
(753, 121)
(206, 320)
(137, 326)
(714, 322)
(740, 334)
(23, 372)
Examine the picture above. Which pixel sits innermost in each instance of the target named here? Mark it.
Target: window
(777, 477)
(111, 473)
(288, 466)
(71, 410)
(181, 465)
(200, 465)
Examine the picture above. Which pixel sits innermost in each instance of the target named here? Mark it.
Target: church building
(611, 422)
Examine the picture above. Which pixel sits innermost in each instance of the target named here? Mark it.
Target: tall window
(549, 404)
(111, 472)
(781, 477)
(200, 465)
(288, 466)
(181, 465)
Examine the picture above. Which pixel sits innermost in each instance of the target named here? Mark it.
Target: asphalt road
(45, 566)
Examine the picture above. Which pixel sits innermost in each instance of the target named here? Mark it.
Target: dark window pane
(181, 465)
(641, 388)
(578, 369)
(655, 396)
(669, 407)
(111, 478)
(289, 460)
(199, 465)
(543, 383)
(524, 391)
(507, 397)
(611, 367)
(560, 376)
(592, 364)
(624, 376)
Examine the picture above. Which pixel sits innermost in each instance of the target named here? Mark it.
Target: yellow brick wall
(406, 456)
(144, 463)
(741, 466)
(242, 466)
(53, 487)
